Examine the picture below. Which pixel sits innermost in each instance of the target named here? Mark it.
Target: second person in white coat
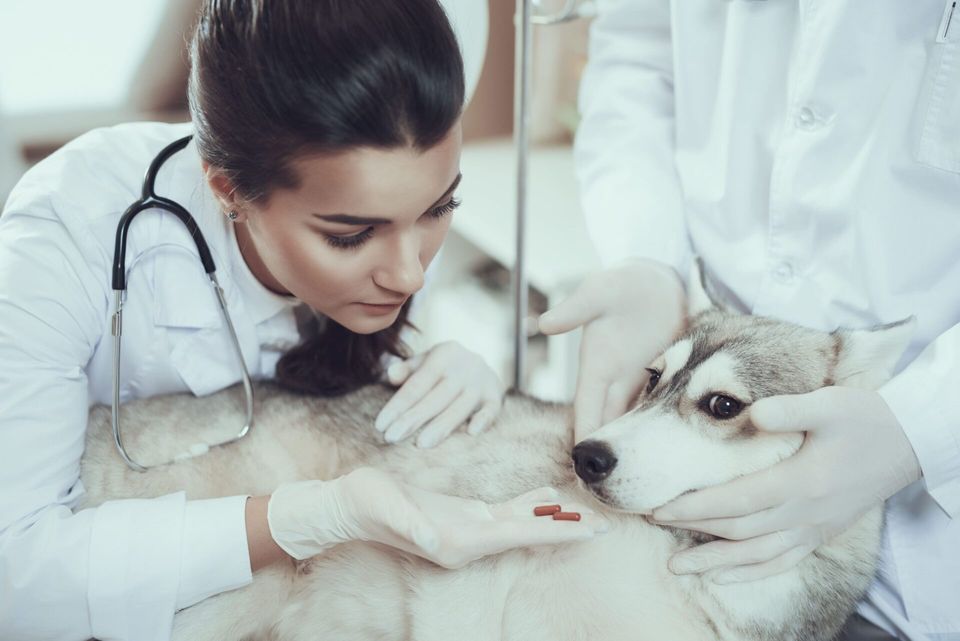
(809, 153)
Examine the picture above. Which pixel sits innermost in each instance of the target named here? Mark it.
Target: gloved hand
(774, 518)
(308, 517)
(439, 391)
(628, 314)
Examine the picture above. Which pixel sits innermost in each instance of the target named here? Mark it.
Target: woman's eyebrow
(347, 219)
(450, 190)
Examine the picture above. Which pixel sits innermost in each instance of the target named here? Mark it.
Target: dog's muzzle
(593, 461)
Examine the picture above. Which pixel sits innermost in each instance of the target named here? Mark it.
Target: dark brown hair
(272, 80)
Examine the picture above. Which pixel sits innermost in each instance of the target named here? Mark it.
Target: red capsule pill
(546, 510)
(566, 516)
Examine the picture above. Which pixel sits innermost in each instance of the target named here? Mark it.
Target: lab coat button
(807, 119)
(783, 272)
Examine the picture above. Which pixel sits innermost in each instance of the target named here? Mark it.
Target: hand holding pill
(309, 517)
(468, 529)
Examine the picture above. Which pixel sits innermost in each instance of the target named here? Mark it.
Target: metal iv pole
(524, 21)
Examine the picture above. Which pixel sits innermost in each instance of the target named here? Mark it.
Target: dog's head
(690, 428)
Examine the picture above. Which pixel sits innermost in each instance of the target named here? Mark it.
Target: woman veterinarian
(809, 153)
(321, 173)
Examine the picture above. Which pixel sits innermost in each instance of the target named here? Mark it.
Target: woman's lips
(381, 309)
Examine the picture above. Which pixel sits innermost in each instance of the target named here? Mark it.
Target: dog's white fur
(614, 587)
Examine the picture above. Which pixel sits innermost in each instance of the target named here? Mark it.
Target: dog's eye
(654, 379)
(723, 406)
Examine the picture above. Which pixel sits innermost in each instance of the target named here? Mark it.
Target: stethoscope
(150, 200)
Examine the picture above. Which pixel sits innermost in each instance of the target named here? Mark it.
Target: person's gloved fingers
(400, 371)
(744, 495)
(455, 415)
(415, 387)
(522, 508)
(430, 405)
(619, 395)
(718, 554)
(501, 535)
(583, 306)
(782, 563)
(738, 528)
(588, 402)
(546, 494)
(790, 413)
(483, 417)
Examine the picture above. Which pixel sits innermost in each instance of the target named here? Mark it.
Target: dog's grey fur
(614, 587)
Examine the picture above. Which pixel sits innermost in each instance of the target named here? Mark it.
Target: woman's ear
(225, 192)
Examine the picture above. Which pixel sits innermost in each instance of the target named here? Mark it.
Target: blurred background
(100, 62)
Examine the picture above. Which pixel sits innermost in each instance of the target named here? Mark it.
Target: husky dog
(688, 430)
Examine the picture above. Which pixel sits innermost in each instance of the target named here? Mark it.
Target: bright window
(66, 55)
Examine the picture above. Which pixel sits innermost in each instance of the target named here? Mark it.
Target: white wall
(11, 164)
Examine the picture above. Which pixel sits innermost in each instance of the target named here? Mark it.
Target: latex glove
(440, 390)
(774, 518)
(308, 517)
(628, 314)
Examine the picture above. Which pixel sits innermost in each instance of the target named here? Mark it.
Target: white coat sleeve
(117, 571)
(924, 399)
(624, 148)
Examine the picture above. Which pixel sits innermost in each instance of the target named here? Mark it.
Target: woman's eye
(654, 379)
(724, 406)
(355, 240)
(447, 208)
(349, 242)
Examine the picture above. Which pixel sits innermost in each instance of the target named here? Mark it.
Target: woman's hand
(308, 517)
(440, 390)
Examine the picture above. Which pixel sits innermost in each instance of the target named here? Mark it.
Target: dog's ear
(867, 357)
(701, 296)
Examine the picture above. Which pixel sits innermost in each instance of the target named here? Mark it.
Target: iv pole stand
(521, 138)
(523, 22)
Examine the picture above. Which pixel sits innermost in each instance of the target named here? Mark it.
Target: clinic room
(479, 320)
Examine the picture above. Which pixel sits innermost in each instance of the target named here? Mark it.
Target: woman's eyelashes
(349, 242)
(447, 208)
(354, 241)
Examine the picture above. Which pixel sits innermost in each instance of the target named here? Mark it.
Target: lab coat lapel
(185, 303)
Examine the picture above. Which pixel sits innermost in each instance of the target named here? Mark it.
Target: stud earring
(232, 214)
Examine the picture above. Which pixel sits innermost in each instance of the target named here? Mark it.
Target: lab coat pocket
(206, 360)
(938, 108)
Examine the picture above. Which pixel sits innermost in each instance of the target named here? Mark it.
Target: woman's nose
(402, 270)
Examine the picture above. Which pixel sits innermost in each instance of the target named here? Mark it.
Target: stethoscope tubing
(150, 200)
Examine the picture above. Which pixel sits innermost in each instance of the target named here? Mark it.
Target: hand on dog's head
(690, 427)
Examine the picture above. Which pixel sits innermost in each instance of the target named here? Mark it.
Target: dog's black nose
(593, 461)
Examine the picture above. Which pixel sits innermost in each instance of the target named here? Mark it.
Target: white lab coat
(118, 571)
(809, 151)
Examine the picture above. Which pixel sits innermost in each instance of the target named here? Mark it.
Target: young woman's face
(354, 239)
